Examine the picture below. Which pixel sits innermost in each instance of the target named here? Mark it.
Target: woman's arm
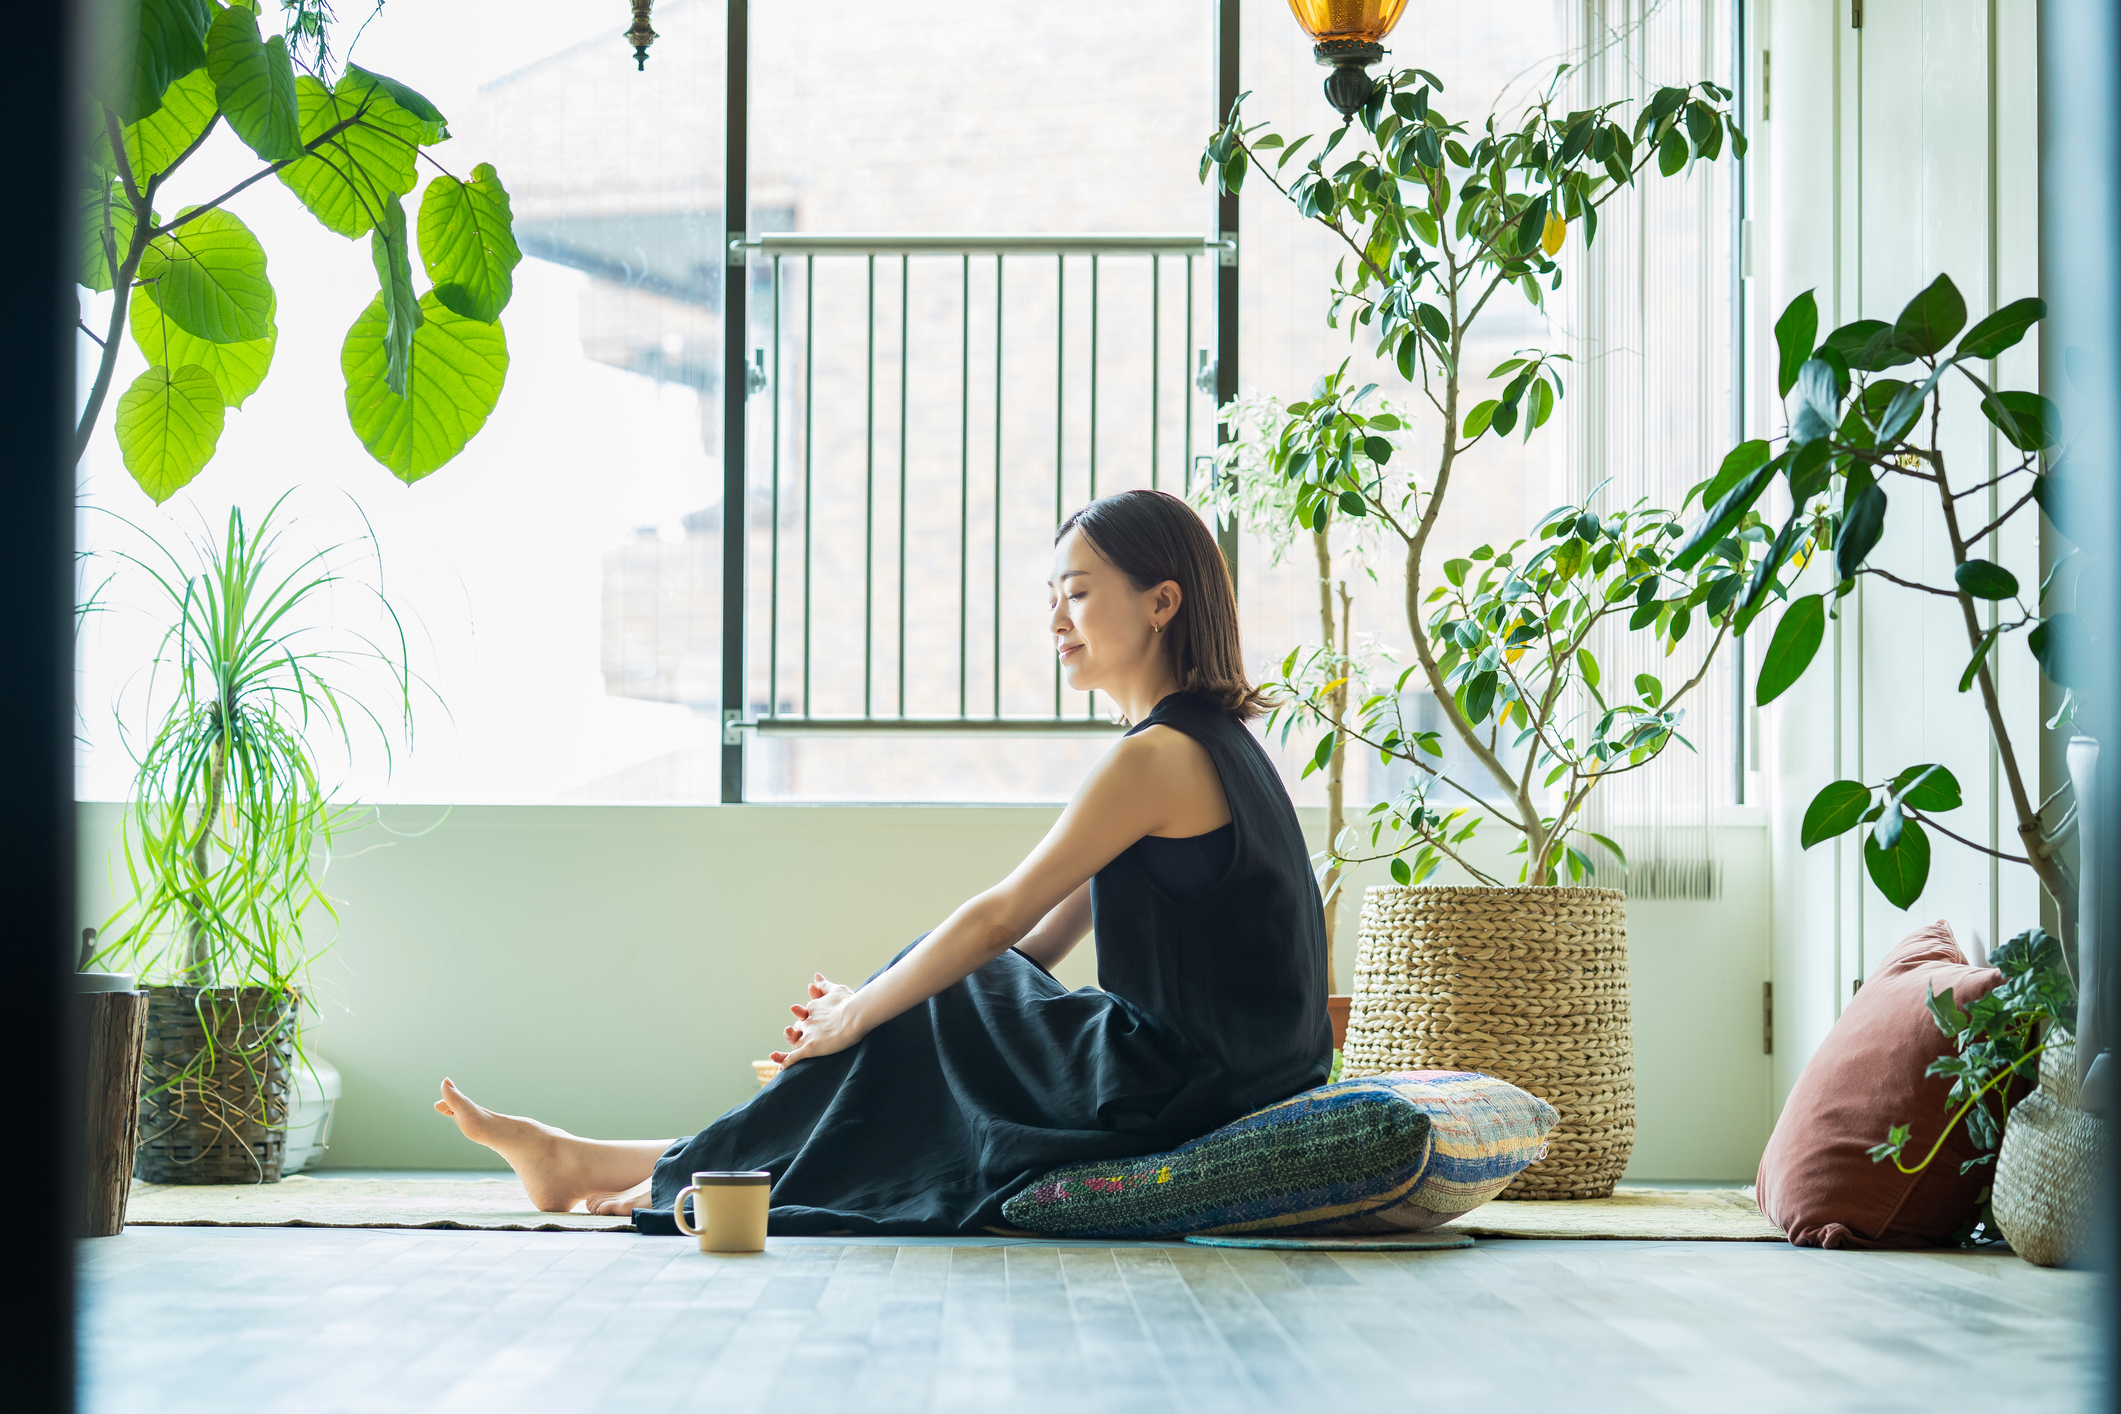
(1155, 782)
(1059, 931)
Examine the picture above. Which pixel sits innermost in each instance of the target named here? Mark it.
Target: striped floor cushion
(1314, 1160)
(1482, 1133)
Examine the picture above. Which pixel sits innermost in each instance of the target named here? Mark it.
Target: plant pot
(316, 1095)
(1529, 985)
(2047, 1167)
(215, 1085)
(112, 1018)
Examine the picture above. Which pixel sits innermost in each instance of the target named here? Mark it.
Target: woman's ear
(1169, 598)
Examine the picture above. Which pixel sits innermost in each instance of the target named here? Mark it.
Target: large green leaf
(237, 369)
(389, 248)
(356, 83)
(349, 176)
(154, 143)
(1984, 579)
(1818, 407)
(1794, 333)
(106, 216)
(1931, 319)
(1928, 788)
(1744, 458)
(1993, 334)
(1791, 650)
(1860, 530)
(254, 81)
(1837, 809)
(1853, 341)
(167, 424)
(2030, 422)
(209, 277)
(1899, 872)
(467, 243)
(1723, 517)
(451, 386)
(149, 46)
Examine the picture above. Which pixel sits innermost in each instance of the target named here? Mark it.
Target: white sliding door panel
(1898, 150)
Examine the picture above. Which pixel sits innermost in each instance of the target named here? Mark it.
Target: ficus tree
(1866, 405)
(1340, 547)
(422, 369)
(1440, 218)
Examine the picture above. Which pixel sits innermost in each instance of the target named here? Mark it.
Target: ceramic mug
(732, 1209)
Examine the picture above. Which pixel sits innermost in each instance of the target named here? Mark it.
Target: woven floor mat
(483, 1204)
(498, 1205)
(1637, 1214)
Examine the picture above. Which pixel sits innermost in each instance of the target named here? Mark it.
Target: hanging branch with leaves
(423, 371)
(1853, 432)
(1438, 220)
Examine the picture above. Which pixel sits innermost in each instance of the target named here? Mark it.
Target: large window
(918, 412)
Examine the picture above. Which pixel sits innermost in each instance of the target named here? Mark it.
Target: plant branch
(309, 149)
(1908, 583)
(1993, 526)
(1931, 821)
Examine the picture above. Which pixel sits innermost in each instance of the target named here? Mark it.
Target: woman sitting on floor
(922, 1100)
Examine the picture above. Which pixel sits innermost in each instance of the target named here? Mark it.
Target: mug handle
(677, 1209)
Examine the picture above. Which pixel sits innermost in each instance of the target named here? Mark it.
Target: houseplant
(423, 371)
(1437, 219)
(1857, 426)
(254, 690)
(1437, 229)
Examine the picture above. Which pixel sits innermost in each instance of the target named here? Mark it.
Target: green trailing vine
(1996, 1041)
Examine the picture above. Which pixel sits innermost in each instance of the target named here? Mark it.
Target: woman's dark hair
(1152, 536)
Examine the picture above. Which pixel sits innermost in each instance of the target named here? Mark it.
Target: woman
(921, 1101)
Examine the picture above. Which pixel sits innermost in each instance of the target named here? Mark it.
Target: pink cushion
(1816, 1181)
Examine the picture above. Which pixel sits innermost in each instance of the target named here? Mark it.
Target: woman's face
(1105, 630)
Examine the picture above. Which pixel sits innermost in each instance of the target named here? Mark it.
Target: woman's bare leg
(559, 1170)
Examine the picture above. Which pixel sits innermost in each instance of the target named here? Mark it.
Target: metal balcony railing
(922, 410)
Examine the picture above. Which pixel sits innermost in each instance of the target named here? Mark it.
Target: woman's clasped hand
(827, 1023)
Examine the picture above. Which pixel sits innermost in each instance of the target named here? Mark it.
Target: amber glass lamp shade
(1348, 37)
(1356, 21)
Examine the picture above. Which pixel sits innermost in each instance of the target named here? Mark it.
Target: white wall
(1889, 154)
(613, 969)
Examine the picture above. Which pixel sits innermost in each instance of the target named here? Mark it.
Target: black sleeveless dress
(1213, 1004)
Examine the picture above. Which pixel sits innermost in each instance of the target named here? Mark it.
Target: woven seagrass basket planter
(1528, 985)
(215, 1085)
(2047, 1168)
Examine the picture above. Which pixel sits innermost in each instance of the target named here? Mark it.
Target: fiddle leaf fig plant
(1439, 218)
(422, 371)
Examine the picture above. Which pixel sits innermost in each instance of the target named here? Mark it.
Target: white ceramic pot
(316, 1093)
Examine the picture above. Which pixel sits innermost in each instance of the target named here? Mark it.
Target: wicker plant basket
(2047, 1168)
(1529, 985)
(221, 1119)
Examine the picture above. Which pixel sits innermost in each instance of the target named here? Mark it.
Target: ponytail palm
(232, 816)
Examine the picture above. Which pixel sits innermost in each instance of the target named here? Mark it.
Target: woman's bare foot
(618, 1205)
(542, 1156)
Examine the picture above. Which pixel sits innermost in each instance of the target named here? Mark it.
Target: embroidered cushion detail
(1482, 1133)
(1313, 1160)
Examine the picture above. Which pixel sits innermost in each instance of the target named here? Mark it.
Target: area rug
(1635, 1214)
(1405, 1242)
(481, 1204)
(499, 1205)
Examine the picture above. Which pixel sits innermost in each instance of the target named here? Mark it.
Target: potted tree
(228, 833)
(1439, 220)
